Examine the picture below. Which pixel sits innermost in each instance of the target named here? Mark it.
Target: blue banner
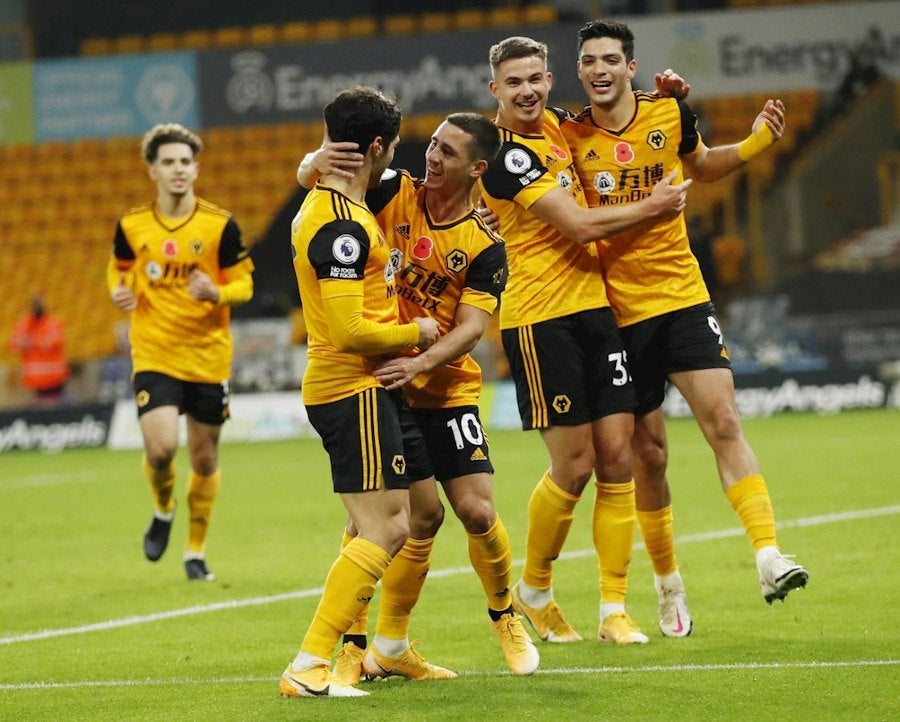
(103, 97)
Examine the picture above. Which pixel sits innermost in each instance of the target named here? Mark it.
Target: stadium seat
(296, 32)
(400, 24)
(328, 30)
(96, 46)
(264, 34)
(502, 17)
(198, 39)
(163, 42)
(540, 14)
(435, 22)
(360, 27)
(129, 44)
(231, 37)
(469, 19)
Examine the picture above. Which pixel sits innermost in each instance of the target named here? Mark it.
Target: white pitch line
(452, 571)
(656, 668)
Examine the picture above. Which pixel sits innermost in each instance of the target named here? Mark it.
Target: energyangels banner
(721, 53)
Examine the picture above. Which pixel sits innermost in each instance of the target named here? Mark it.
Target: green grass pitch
(89, 630)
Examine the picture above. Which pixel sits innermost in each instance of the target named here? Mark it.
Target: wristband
(755, 143)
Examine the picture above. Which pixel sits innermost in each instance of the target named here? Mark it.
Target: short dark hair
(485, 143)
(608, 29)
(168, 133)
(516, 47)
(360, 115)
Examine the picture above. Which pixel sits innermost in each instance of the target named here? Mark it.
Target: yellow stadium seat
(435, 22)
(162, 42)
(328, 30)
(198, 39)
(296, 32)
(470, 19)
(130, 44)
(503, 17)
(360, 27)
(265, 34)
(231, 37)
(401, 24)
(540, 14)
(96, 46)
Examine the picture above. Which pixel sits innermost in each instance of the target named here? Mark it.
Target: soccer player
(560, 336)
(623, 143)
(346, 277)
(178, 265)
(451, 267)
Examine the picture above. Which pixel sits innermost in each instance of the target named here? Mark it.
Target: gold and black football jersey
(171, 332)
(336, 240)
(439, 267)
(549, 275)
(648, 272)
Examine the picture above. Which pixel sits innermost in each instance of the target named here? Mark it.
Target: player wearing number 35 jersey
(624, 143)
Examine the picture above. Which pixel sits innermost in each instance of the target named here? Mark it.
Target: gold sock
(162, 484)
(491, 558)
(361, 623)
(749, 497)
(659, 538)
(348, 588)
(613, 528)
(550, 514)
(401, 586)
(202, 493)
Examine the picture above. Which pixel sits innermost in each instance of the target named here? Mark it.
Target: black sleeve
(121, 248)
(561, 113)
(516, 167)
(488, 271)
(339, 249)
(231, 248)
(388, 187)
(690, 138)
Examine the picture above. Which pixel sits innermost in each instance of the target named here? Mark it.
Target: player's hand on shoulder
(428, 331)
(491, 219)
(670, 84)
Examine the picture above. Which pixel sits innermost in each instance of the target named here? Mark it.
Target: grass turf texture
(90, 630)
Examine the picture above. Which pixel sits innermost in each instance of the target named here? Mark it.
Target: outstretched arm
(710, 164)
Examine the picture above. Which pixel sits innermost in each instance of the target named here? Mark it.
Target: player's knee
(725, 425)
(425, 522)
(477, 515)
(160, 454)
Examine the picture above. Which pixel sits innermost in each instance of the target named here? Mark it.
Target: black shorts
(455, 440)
(689, 339)
(570, 370)
(364, 440)
(207, 403)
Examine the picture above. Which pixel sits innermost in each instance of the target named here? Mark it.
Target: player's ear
(377, 146)
(549, 80)
(478, 168)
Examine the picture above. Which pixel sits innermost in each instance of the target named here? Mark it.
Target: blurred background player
(623, 143)
(39, 338)
(178, 265)
(560, 336)
(345, 274)
(454, 269)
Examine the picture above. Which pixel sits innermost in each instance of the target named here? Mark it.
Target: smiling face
(521, 87)
(449, 167)
(605, 72)
(174, 170)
